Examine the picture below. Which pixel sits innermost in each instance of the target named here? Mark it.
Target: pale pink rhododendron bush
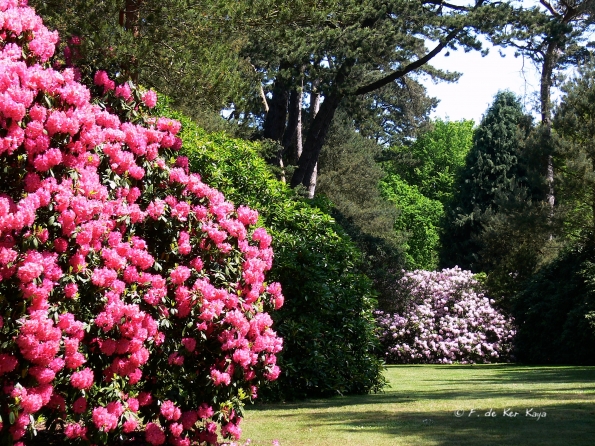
(446, 318)
(133, 301)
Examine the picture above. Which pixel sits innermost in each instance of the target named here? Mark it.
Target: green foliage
(491, 170)
(349, 176)
(393, 114)
(574, 123)
(418, 221)
(552, 312)
(326, 322)
(188, 51)
(433, 161)
(419, 182)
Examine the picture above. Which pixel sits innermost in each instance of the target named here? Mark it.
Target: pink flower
(231, 430)
(189, 419)
(74, 431)
(247, 216)
(150, 98)
(176, 429)
(133, 404)
(43, 375)
(31, 403)
(179, 275)
(130, 425)
(261, 235)
(123, 91)
(175, 359)
(189, 344)
(83, 379)
(104, 420)
(7, 363)
(144, 399)
(220, 377)
(154, 435)
(205, 411)
(70, 290)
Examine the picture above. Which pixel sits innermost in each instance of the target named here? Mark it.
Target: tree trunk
(319, 128)
(314, 108)
(292, 119)
(129, 20)
(549, 62)
(274, 124)
(312, 186)
(299, 140)
(315, 140)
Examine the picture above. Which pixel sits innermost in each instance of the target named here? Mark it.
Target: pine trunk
(315, 140)
(275, 122)
(549, 63)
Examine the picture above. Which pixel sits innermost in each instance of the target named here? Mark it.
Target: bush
(553, 311)
(132, 295)
(444, 317)
(326, 322)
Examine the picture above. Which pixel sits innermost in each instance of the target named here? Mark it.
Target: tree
(574, 123)
(419, 181)
(552, 311)
(185, 50)
(349, 177)
(418, 222)
(552, 37)
(433, 161)
(492, 169)
(354, 48)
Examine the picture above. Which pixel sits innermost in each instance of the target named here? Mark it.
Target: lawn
(442, 405)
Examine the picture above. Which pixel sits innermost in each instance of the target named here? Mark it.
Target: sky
(482, 78)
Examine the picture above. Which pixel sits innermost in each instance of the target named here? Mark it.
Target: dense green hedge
(552, 311)
(326, 322)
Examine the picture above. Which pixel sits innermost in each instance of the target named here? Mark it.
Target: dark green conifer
(492, 169)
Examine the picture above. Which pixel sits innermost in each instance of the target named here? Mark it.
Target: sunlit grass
(421, 405)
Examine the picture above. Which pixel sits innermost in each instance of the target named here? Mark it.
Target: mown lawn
(442, 405)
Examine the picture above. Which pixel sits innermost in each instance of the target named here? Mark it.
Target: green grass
(419, 409)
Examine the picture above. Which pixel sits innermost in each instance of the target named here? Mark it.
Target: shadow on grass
(463, 382)
(524, 373)
(565, 424)
(421, 409)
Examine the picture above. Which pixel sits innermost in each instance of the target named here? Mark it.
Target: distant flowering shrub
(446, 318)
(132, 295)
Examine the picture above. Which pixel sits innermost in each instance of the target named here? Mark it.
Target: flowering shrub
(446, 319)
(327, 322)
(132, 295)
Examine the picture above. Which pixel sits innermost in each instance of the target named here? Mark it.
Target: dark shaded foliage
(551, 312)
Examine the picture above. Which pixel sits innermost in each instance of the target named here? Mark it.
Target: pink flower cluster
(447, 319)
(112, 258)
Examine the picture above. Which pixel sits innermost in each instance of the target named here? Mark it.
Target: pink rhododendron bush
(446, 318)
(132, 295)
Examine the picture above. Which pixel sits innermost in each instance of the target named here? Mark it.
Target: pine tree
(185, 50)
(574, 123)
(349, 177)
(353, 49)
(492, 169)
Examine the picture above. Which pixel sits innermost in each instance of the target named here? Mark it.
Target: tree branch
(549, 7)
(409, 68)
(445, 4)
(262, 95)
